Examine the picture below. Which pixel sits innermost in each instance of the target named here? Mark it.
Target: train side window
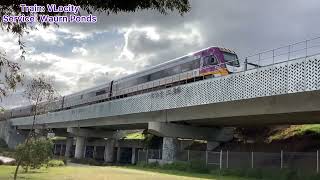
(100, 92)
(173, 71)
(157, 75)
(190, 65)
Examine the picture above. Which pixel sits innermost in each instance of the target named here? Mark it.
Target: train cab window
(231, 59)
(210, 60)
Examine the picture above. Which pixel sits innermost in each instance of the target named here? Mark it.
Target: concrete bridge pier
(133, 156)
(80, 147)
(169, 149)
(109, 150)
(69, 142)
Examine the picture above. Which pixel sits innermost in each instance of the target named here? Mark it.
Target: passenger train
(203, 64)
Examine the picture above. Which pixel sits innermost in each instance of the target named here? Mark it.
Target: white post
(252, 160)
(227, 160)
(317, 161)
(188, 155)
(281, 154)
(206, 157)
(221, 159)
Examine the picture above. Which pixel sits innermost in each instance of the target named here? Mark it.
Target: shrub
(34, 154)
(3, 144)
(55, 163)
(199, 167)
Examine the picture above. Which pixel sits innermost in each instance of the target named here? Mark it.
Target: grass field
(101, 173)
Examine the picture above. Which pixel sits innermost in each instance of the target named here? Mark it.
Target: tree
(10, 75)
(10, 70)
(34, 154)
(41, 94)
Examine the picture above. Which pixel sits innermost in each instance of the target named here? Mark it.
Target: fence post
(281, 163)
(227, 164)
(188, 155)
(206, 157)
(317, 161)
(221, 159)
(147, 155)
(252, 160)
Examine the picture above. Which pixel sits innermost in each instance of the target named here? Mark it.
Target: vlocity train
(203, 64)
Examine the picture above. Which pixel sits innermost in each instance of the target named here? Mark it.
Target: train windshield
(231, 59)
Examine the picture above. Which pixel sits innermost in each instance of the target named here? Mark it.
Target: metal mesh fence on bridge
(303, 161)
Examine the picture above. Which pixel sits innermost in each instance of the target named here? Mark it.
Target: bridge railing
(302, 49)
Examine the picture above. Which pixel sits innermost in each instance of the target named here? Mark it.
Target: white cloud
(80, 50)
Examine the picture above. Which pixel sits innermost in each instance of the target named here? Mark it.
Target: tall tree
(41, 94)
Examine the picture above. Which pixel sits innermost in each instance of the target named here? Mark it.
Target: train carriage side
(88, 96)
(209, 62)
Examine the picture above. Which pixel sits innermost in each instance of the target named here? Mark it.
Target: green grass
(189, 174)
(105, 173)
(296, 131)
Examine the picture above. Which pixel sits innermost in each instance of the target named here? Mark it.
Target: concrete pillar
(169, 149)
(69, 142)
(80, 147)
(109, 151)
(133, 156)
(118, 154)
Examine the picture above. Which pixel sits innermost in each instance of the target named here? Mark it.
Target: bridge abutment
(80, 147)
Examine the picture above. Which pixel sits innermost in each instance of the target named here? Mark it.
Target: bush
(56, 163)
(3, 144)
(34, 154)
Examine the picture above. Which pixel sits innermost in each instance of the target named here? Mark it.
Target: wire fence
(304, 161)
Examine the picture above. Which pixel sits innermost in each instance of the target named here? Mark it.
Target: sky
(80, 56)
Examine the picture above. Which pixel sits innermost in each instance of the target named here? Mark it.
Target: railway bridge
(287, 92)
